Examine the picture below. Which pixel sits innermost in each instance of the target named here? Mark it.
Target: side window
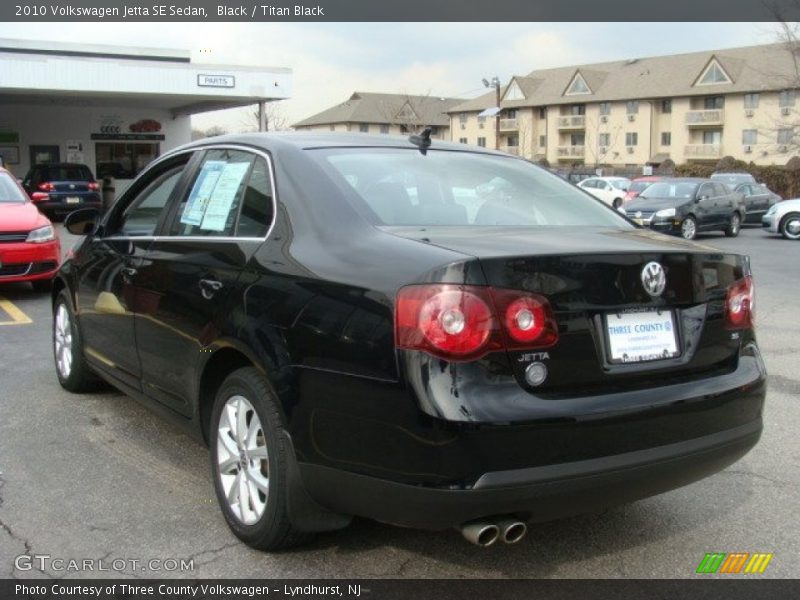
(231, 195)
(589, 183)
(705, 190)
(142, 215)
(720, 189)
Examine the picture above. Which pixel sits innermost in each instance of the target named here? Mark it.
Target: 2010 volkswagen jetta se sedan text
(408, 330)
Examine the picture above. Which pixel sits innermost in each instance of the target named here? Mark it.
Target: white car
(610, 190)
(784, 218)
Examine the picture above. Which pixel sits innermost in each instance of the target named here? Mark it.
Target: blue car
(59, 188)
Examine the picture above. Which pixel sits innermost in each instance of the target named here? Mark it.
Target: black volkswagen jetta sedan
(426, 334)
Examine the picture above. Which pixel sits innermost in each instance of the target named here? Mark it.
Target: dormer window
(514, 92)
(714, 74)
(577, 86)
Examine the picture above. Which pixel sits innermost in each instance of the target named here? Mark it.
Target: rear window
(67, 173)
(9, 190)
(670, 189)
(395, 186)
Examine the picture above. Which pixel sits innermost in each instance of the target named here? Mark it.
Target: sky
(332, 60)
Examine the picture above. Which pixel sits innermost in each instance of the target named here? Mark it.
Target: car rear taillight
(465, 322)
(36, 196)
(93, 186)
(740, 304)
(47, 187)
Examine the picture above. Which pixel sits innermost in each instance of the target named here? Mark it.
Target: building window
(363, 127)
(384, 129)
(482, 142)
(481, 122)
(785, 136)
(434, 131)
(787, 98)
(666, 138)
(712, 137)
(462, 140)
(577, 139)
(542, 112)
(666, 106)
(631, 138)
(349, 127)
(510, 113)
(576, 109)
(577, 86)
(542, 141)
(751, 100)
(604, 139)
(632, 107)
(462, 118)
(714, 102)
(605, 108)
(123, 160)
(749, 137)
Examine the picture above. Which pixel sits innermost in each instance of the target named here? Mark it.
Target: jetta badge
(653, 279)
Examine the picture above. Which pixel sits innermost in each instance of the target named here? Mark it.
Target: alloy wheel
(688, 229)
(243, 460)
(736, 223)
(791, 227)
(62, 341)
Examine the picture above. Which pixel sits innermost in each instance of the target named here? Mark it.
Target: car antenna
(422, 141)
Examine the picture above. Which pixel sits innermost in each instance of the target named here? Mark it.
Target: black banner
(405, 11)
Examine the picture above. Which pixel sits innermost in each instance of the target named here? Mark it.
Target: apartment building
(367, 112)
(699, 106)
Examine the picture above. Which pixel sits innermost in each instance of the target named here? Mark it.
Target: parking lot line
(17, 316)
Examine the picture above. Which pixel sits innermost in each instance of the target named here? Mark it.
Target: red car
(29, 246)
(638, 185)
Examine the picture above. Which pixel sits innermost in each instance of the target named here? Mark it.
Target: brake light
(464, 322)
(740, 304)
(47, 187)
(36, 196)
(93, 186)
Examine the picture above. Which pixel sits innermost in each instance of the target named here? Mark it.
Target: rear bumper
(59, 206)
(535, 494)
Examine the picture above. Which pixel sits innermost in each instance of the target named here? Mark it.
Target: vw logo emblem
(638, 214)
(653, 279)
(72, 186)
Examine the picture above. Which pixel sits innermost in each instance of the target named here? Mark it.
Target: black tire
(689, 228)
(273, 531)
(617, 202)
(80, 377)
(734, 226)
(40, 286)
(788, 218)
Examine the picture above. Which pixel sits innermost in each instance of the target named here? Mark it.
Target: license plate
(73, 200)
(641, 336)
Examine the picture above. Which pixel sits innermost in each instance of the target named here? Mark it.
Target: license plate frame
(73, 200)
(641, 336)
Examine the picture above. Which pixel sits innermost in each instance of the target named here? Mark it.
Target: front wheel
(790, 226)
(689, 228)
(734, 226)
(73, 373)
(249, 461)
(617, 202)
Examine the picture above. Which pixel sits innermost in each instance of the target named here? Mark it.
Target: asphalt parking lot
(98, 476)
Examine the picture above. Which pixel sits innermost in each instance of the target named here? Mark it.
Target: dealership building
(113, 108)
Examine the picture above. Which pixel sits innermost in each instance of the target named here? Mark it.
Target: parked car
(59, 188)
(29, 246)
(686, 206)
(758, 199)
(610, 190)
(784, 218)
(733, 179)
(638, 185)
(361, 342)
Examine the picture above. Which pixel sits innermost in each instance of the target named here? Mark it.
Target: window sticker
(201, 192)
(219, 204)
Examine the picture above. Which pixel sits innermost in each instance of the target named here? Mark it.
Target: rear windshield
(9, 190)
(395, 186)
(670, 189)
(67, 173)
(733, 179)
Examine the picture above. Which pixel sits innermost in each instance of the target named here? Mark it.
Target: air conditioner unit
(781, 148)
(747, 149)
(631, 118)
(785, 111)
(630, 149)
(604, 118)
(748, 112)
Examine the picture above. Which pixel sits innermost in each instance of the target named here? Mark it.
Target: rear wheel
(71, 368)
(249, 462)
(790, 226)
(689, 228)
(734, 226)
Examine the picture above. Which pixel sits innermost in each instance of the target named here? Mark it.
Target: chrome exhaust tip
(512, 530)
(481, 533)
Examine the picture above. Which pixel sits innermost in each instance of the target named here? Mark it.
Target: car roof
(686, 179)
(58, 165)
(649, 178)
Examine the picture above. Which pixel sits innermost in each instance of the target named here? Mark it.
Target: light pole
(495, 82)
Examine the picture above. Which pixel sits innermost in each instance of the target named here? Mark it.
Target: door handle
(129, 272)
(209, 287)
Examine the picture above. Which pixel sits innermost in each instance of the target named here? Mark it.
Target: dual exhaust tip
(484, 533)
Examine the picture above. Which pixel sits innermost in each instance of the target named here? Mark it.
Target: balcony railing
(513, 150)
(703, 151)
(705, 118)
(571, 151)
(509, 125)
(572, 122)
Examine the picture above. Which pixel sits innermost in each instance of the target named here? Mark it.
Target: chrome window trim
(191, 238)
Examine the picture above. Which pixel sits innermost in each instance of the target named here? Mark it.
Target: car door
(757, 200)
(725, 203)
(107, 273)
(192, 268)
(705, 205)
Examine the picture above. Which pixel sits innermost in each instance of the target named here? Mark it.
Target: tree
(789, 35)
(274, 117)
(215, 130)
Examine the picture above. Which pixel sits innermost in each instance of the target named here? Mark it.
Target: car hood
(650, 204)
(786, 205)
(20, 216)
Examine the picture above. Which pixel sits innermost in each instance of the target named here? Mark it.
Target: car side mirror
(701, 198)
(82, 222)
